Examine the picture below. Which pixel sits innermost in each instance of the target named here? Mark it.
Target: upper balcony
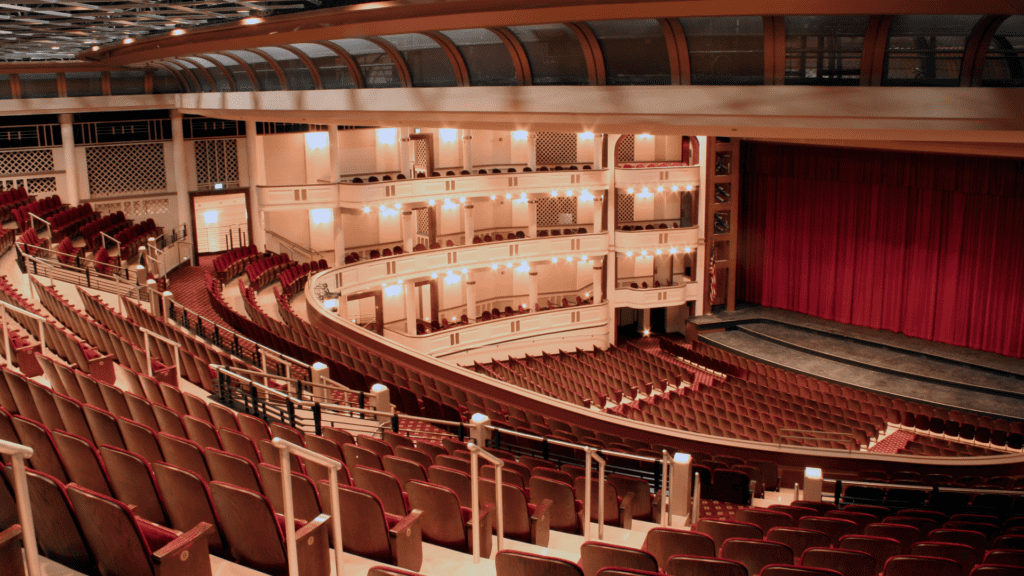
(670, 175)
(665, 239)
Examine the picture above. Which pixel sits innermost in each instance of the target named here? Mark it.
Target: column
(468, 225)
(471, 296)
(339, 237)
(411, 308)
(467, 150)
(531, 207)
(534, 292)
(180, 178)
(598, 151)
(531, 147)
(408, 229)
(598, 290)
(254, 148)
(610, 274)
(67, 136)
(598, 213)
(335, 148)
(404, 165)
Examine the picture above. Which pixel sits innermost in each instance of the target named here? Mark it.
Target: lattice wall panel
(626, 151)
(41, 186)
(216, 162)
(556, 211)
(138, 209)
(422, 155)
(556, 148)
(624, 207)
(26, 161)
(423, 221)
(125, 169)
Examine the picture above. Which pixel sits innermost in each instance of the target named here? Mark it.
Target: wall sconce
(387, 136)
(586, 135)
(321, 215)
(210, 217)
(448, 134)
(316, 140)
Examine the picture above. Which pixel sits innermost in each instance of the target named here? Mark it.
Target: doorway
(221, 221)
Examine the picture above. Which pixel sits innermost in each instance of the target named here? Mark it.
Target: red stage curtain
(924, 244)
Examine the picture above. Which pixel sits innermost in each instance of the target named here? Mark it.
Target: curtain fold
(924, 244)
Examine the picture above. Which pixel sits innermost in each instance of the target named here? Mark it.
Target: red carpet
(893, 443)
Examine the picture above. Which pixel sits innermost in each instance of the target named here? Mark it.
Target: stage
(882, 361)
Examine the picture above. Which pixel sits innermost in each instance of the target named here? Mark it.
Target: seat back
(58, 533)
(778, 570)
(443, 522)
(597, 555)
(680, 565)
(881, 549)
(765, 519)
(305, 501)
(131, 481)
(360, 456)
(83, 462)
(663, 543)
(231, 469)
(364, 528)
(516, 510)
(515, 563)
(184, 454)
(384, 486)
(907, 536)
(239, 445)
(44, 453)
(222, 417)
(188, 502)
(643, 508)
(921, 565)
(730, 486)
(975, 540)
(565, 516)
(835, 528)
(103, 424)
(756, 554)
(404, 470)
(113, 533)
(253, 427)
(200, 432)
(798, 539)
(458, 481)
(722, 530)
(140, 439)
(962, 554)
(846, 562)
(253, 533)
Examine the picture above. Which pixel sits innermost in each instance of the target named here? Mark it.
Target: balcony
(657, 297)
(580, 320)
(665, 239)
(682, 177)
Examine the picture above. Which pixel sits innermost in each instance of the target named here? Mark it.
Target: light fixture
(586, 135)
(465, 271)
(568, 192)
(494, 266)
(672, 251)
(554, 260)
(661, 188)
(95, 48)
(462, 200)
(568, 258)
(658, 251)
(508, 264)
(177, 32)
(508, 196)
(316, 140)
(647, 332)
(584, 258)
(493, 197)
(210, 217)
(643, 252)
(251, 20)
(554, 194)
(320, 215)
(128, 40)
(434, 275)
(586, 195)
(687, 249)
(629, 191)
(366, 209)
(520, 135)
(448, 134)
(630, 253)
(675, 188)
(431, 202)
(688, 188)
(55, 47)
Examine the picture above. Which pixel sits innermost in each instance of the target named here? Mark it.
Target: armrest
(406, 539)
(540, 524)
(10, 551)
(188, 554)
(311, 543)
(486, 521)
(626, 511)
(11, 534)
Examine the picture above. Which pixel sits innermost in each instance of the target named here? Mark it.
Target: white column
(335, 148)
(467, 150)
(531, 217)
(408, 229)
(598, 212)
(598, 151)
(404, 163)
(534, 292)
(180, 178)
(468, 225)
(254, 147)
(598, 290)
(700, 272)
(531, 147)
(471, 296)
(339, 237)
(611, 271)
(67, 136)
(411, 308)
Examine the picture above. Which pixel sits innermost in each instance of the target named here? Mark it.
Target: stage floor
(879, 360)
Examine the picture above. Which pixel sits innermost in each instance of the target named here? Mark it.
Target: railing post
(812, 484)
(317, 422)
(479, 433)
(679, 486)
(168, 303)
(291, 411)
(289, 512)
(587, 488)
(695, 509)
(381, 401)
(666, 519)
(21, 497)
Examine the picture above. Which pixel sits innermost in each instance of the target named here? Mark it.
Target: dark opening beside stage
(878, 360)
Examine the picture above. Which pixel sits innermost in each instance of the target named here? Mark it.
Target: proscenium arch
(350, 62)
(281, 76)
(400, 64)
(314, 72)
(678, 50)
(454, 57)
(223, 69)
(524, 74)
(245, 66)
(972, 68)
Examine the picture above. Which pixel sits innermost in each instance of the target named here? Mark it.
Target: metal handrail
(4, 306)
(18, 454)
(46, 223)
(149, 358)
(287, 448)
(923, 487)
(475, 453)
(591, 456)
(104, 236)
(309, 252)
(695, 508)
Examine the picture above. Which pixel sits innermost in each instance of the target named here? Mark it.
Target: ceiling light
(177, 32)
(95, 48)
(251, 20)
(127, 40)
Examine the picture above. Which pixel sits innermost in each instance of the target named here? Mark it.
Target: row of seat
(68, 253)
(6, 240)
(264, 270)
(637, 227)
(654, 165)
(104, 263)
(498, 237)
(136, 235)
(42, 208)
(293, 279)
(940, 479)
(234, 262)
(110, 225)
(68, 222)
(31, 243)
(11, 199)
